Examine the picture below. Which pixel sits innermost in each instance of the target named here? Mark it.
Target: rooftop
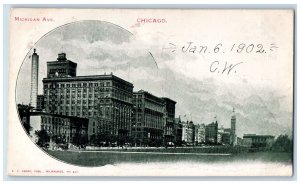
(86, 78)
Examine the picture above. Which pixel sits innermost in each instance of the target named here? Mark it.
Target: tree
(283, 144)
(43, 137)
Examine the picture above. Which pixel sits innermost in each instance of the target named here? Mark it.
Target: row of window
(59, 121)
(84, 84)
(57, 70)
(120, 96)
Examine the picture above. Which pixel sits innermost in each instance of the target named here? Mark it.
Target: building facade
(211, 133)
(169, 119)
(256, 141)
(200, 134)
(106, 100)
(188, 132)
(40, 103)
(178, 131)
(226, 137)
(62, 67)
(148, 124)
(60, 128)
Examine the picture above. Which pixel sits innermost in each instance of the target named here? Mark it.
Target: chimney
(34, 78)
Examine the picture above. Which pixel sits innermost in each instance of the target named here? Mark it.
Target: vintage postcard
(151, 92)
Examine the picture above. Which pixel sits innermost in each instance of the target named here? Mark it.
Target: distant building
(220, 134)
(148, 123)
(255, 141)
(200, 133)
(178, 131)
(239, 141)
(169, 119)
(188, 132)
(211, 133)
(67, 129)
(226, 136)
(106, 100)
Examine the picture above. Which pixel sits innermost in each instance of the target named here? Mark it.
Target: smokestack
(233, 128)
(34, 79)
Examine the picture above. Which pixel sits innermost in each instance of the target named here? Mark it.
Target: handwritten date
(191, 47)
(221, 66)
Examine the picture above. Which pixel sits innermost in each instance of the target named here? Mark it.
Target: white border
(106, 4)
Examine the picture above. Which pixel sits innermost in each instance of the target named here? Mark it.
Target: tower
(34, 79)
(62, 67)
(233, 128)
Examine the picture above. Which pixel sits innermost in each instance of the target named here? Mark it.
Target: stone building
(40, 103)
(106, 100)
(200, 133)
(256, 141)
(188, 132)
(211, 133)
(178, 131)
(169, 119)
(148, 123)
(64, 129)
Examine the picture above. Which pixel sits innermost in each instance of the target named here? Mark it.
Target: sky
(262, 99)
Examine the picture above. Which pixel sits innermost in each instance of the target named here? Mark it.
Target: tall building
(106, 100)
(233, 128)
(169, 119)
(188, 132)
(200, 133)
(148, 119)
(211, 133)
(62, 67)
(34, 78)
